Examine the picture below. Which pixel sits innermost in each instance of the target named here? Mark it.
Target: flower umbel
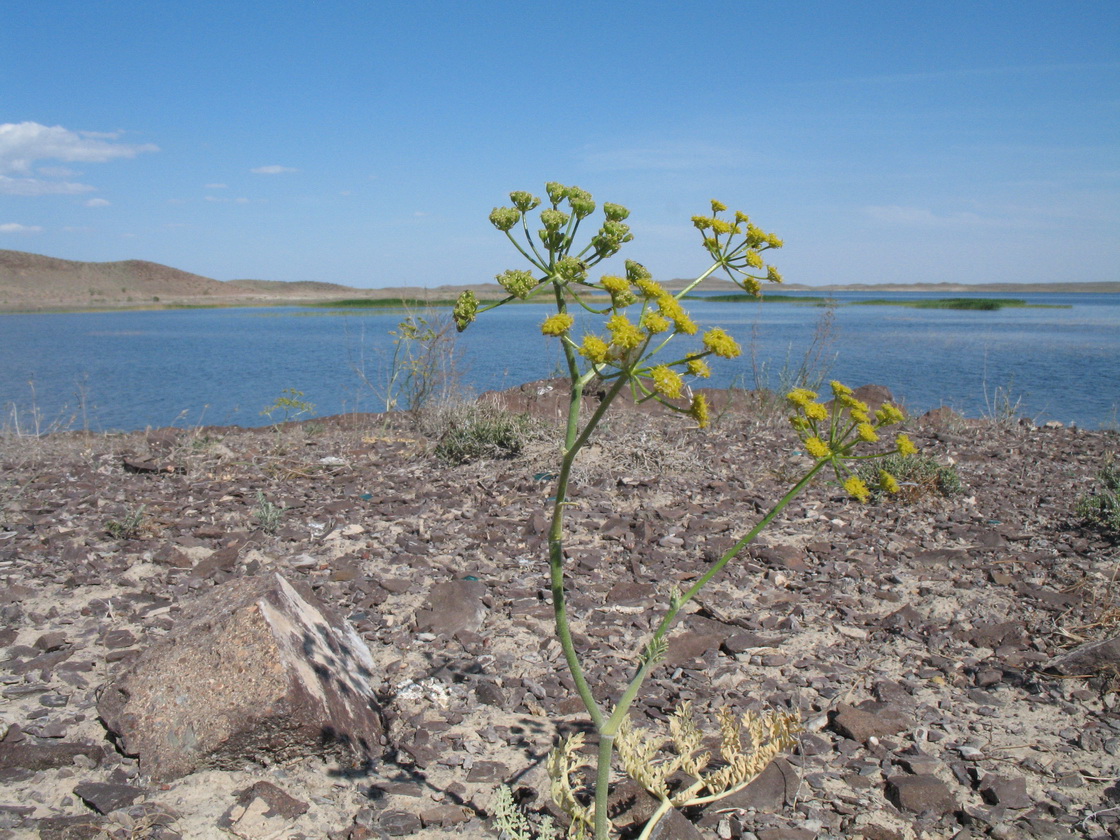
(857, 489)
(466, 308)
(834, 436)
(558, 324)
(720, 343)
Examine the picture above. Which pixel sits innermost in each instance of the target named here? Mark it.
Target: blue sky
(366, 142)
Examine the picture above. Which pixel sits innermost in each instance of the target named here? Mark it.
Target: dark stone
(445, 815)
(920, 794)
(994, 634)
(630, 594)
(675, 826)
(780, 556)
(398, 823)
(45, 662)
(689, 646)
(70, 828)
(487, 771)
(50, 642)
(742, 641)
(785, 832)
(279, 803)
(104, 797)
(23, 758)
(453, 606)
(116, 639)
(904, 618)
(773, 789)
(1010, 793)
(490, 695)
(220, 560)
(878, 832)
(1089, 658)
(869, 720)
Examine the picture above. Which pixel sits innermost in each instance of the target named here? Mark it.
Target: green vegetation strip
(978, 304)
(381, 303)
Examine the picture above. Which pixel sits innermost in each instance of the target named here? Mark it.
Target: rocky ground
(917, 640)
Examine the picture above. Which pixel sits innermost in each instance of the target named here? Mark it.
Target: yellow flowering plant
(638, 320)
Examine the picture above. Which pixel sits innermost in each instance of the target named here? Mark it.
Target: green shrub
(917, 476)
(476, 433)
(129, 526)
(267, 514)
(1101, 509)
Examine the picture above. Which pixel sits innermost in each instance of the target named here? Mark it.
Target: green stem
(602, 786)
(697, 281)
(667, 621)
(574, 440)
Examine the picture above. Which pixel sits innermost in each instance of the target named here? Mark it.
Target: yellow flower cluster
(558, 324)
(833, 435)
(742, 257)
(857, 489)
(624, 334)
(698, 368)
(667, 381)
(698, 410)
(671, 308)
(817, 447)
(720, 343)
(654, 323)
(594, 349)
(615, 285)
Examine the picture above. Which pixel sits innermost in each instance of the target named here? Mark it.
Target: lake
(131, 370)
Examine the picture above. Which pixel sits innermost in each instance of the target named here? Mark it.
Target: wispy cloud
(272, 170)
(97, 202)
(37, 186)
(57, 171)
(217, 186)
(14, 227)
(22, 144)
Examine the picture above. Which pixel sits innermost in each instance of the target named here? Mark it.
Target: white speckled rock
(254, 670)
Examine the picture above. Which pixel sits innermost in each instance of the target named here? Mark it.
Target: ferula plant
(630, 333)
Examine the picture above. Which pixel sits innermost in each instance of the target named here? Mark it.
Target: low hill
(35, 281)
(286, 288)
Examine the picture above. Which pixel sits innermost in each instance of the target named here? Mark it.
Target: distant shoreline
(443, 294)
(33, 283)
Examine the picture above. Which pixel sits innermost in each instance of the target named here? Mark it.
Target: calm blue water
(130, 370)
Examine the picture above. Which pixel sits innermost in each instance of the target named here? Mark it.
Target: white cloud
(272, 170)
(22, 144)
(13, 227)
(37, 186)
(217, 186)
(57, 171)
(97, 202)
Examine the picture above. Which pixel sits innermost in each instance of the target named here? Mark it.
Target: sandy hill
(33, 280)
(30, 282)
(285, 287)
